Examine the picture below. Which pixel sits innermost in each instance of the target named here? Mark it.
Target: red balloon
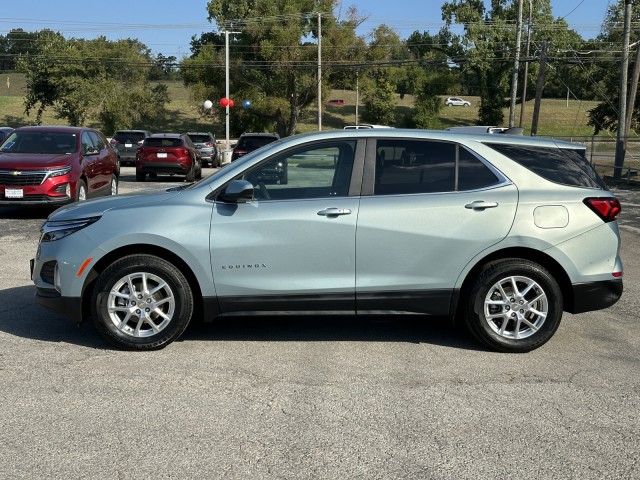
(230, 103)
(224, 102)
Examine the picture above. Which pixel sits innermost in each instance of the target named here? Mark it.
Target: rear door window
(422, 166)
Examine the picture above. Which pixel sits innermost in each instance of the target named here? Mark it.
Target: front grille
(22, 178)
(47, 272)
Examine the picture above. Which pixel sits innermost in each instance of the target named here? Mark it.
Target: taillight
(239, 152)
(208, 144)
(607, 208)
(185, 152)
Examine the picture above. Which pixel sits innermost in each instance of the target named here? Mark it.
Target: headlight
(59, 171)
(55, 230)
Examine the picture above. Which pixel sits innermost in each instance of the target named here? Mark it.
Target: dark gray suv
(248, 142)
(126, 142)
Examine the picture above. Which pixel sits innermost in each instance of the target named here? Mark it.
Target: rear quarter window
(565, 166)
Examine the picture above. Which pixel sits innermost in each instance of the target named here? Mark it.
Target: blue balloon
(246, 104)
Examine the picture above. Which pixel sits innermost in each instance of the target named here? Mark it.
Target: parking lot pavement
(321, 398)
(630, 200)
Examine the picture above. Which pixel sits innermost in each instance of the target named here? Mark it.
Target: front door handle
(481, 205)
(334, 212)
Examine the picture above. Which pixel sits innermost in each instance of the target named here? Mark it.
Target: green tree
(488, 45)
(17, 42)
(81, 79)
(273, 61)
(605, 115)
(379, 101)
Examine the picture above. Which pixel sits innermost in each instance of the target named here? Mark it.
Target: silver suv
(501, 232)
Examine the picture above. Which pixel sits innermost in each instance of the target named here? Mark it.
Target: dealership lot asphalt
(316, 398)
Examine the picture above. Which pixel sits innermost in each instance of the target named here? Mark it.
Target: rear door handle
(480, 205)
(334, 212)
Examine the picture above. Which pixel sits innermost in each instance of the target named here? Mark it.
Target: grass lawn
(558, 118)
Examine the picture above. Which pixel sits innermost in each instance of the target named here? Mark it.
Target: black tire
(191, 174)
(81, 191)
(114, 185)
(528, 316)
(140, 176)
(168, 309)
(199, 172)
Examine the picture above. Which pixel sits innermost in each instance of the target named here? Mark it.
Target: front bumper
(36, 200)
(70, 307)
(595, 295)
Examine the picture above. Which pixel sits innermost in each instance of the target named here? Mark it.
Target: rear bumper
(595, 295)
(163, 167)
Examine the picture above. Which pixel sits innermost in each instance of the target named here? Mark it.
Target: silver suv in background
(205, 142)
(126, 143)
(501, 232)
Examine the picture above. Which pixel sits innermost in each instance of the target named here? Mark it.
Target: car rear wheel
(114, 184)
(191, 175)
(81, 191)
(141, 302)
(514, 305)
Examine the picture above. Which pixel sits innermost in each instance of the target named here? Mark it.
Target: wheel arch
(143, 249)
(555, 269)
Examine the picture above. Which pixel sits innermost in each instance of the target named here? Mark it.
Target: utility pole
(319, 71)
(633, 89)
(516, 67)
(357, 93)
(539, 88)
(526, 64)
(622, 110)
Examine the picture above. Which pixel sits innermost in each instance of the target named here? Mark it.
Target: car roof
(53, 128)
(200, 133)
(257, 134)
(166, 135)
(441, 135)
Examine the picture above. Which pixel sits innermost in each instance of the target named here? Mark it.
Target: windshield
(41, 142)
(200, 138)
(133, 137)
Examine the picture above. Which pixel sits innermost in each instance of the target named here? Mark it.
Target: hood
(97, 207)
(34, 161)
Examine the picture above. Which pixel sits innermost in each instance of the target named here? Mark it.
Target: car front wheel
(141, 302)
(81, 191)
(514, 305)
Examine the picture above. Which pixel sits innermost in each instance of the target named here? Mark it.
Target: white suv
(502, 232)
(456, 102)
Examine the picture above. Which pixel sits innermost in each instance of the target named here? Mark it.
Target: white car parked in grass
(456, 102)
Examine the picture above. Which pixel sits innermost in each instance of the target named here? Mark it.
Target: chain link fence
(601, 152)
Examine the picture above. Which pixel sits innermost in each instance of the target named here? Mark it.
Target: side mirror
(238, 191)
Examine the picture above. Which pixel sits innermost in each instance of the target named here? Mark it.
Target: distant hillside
(557, 118)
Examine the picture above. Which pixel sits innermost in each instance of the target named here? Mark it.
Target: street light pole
(226, 81)
(319, 71)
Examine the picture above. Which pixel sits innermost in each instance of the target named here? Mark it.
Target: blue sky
(166, 26)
